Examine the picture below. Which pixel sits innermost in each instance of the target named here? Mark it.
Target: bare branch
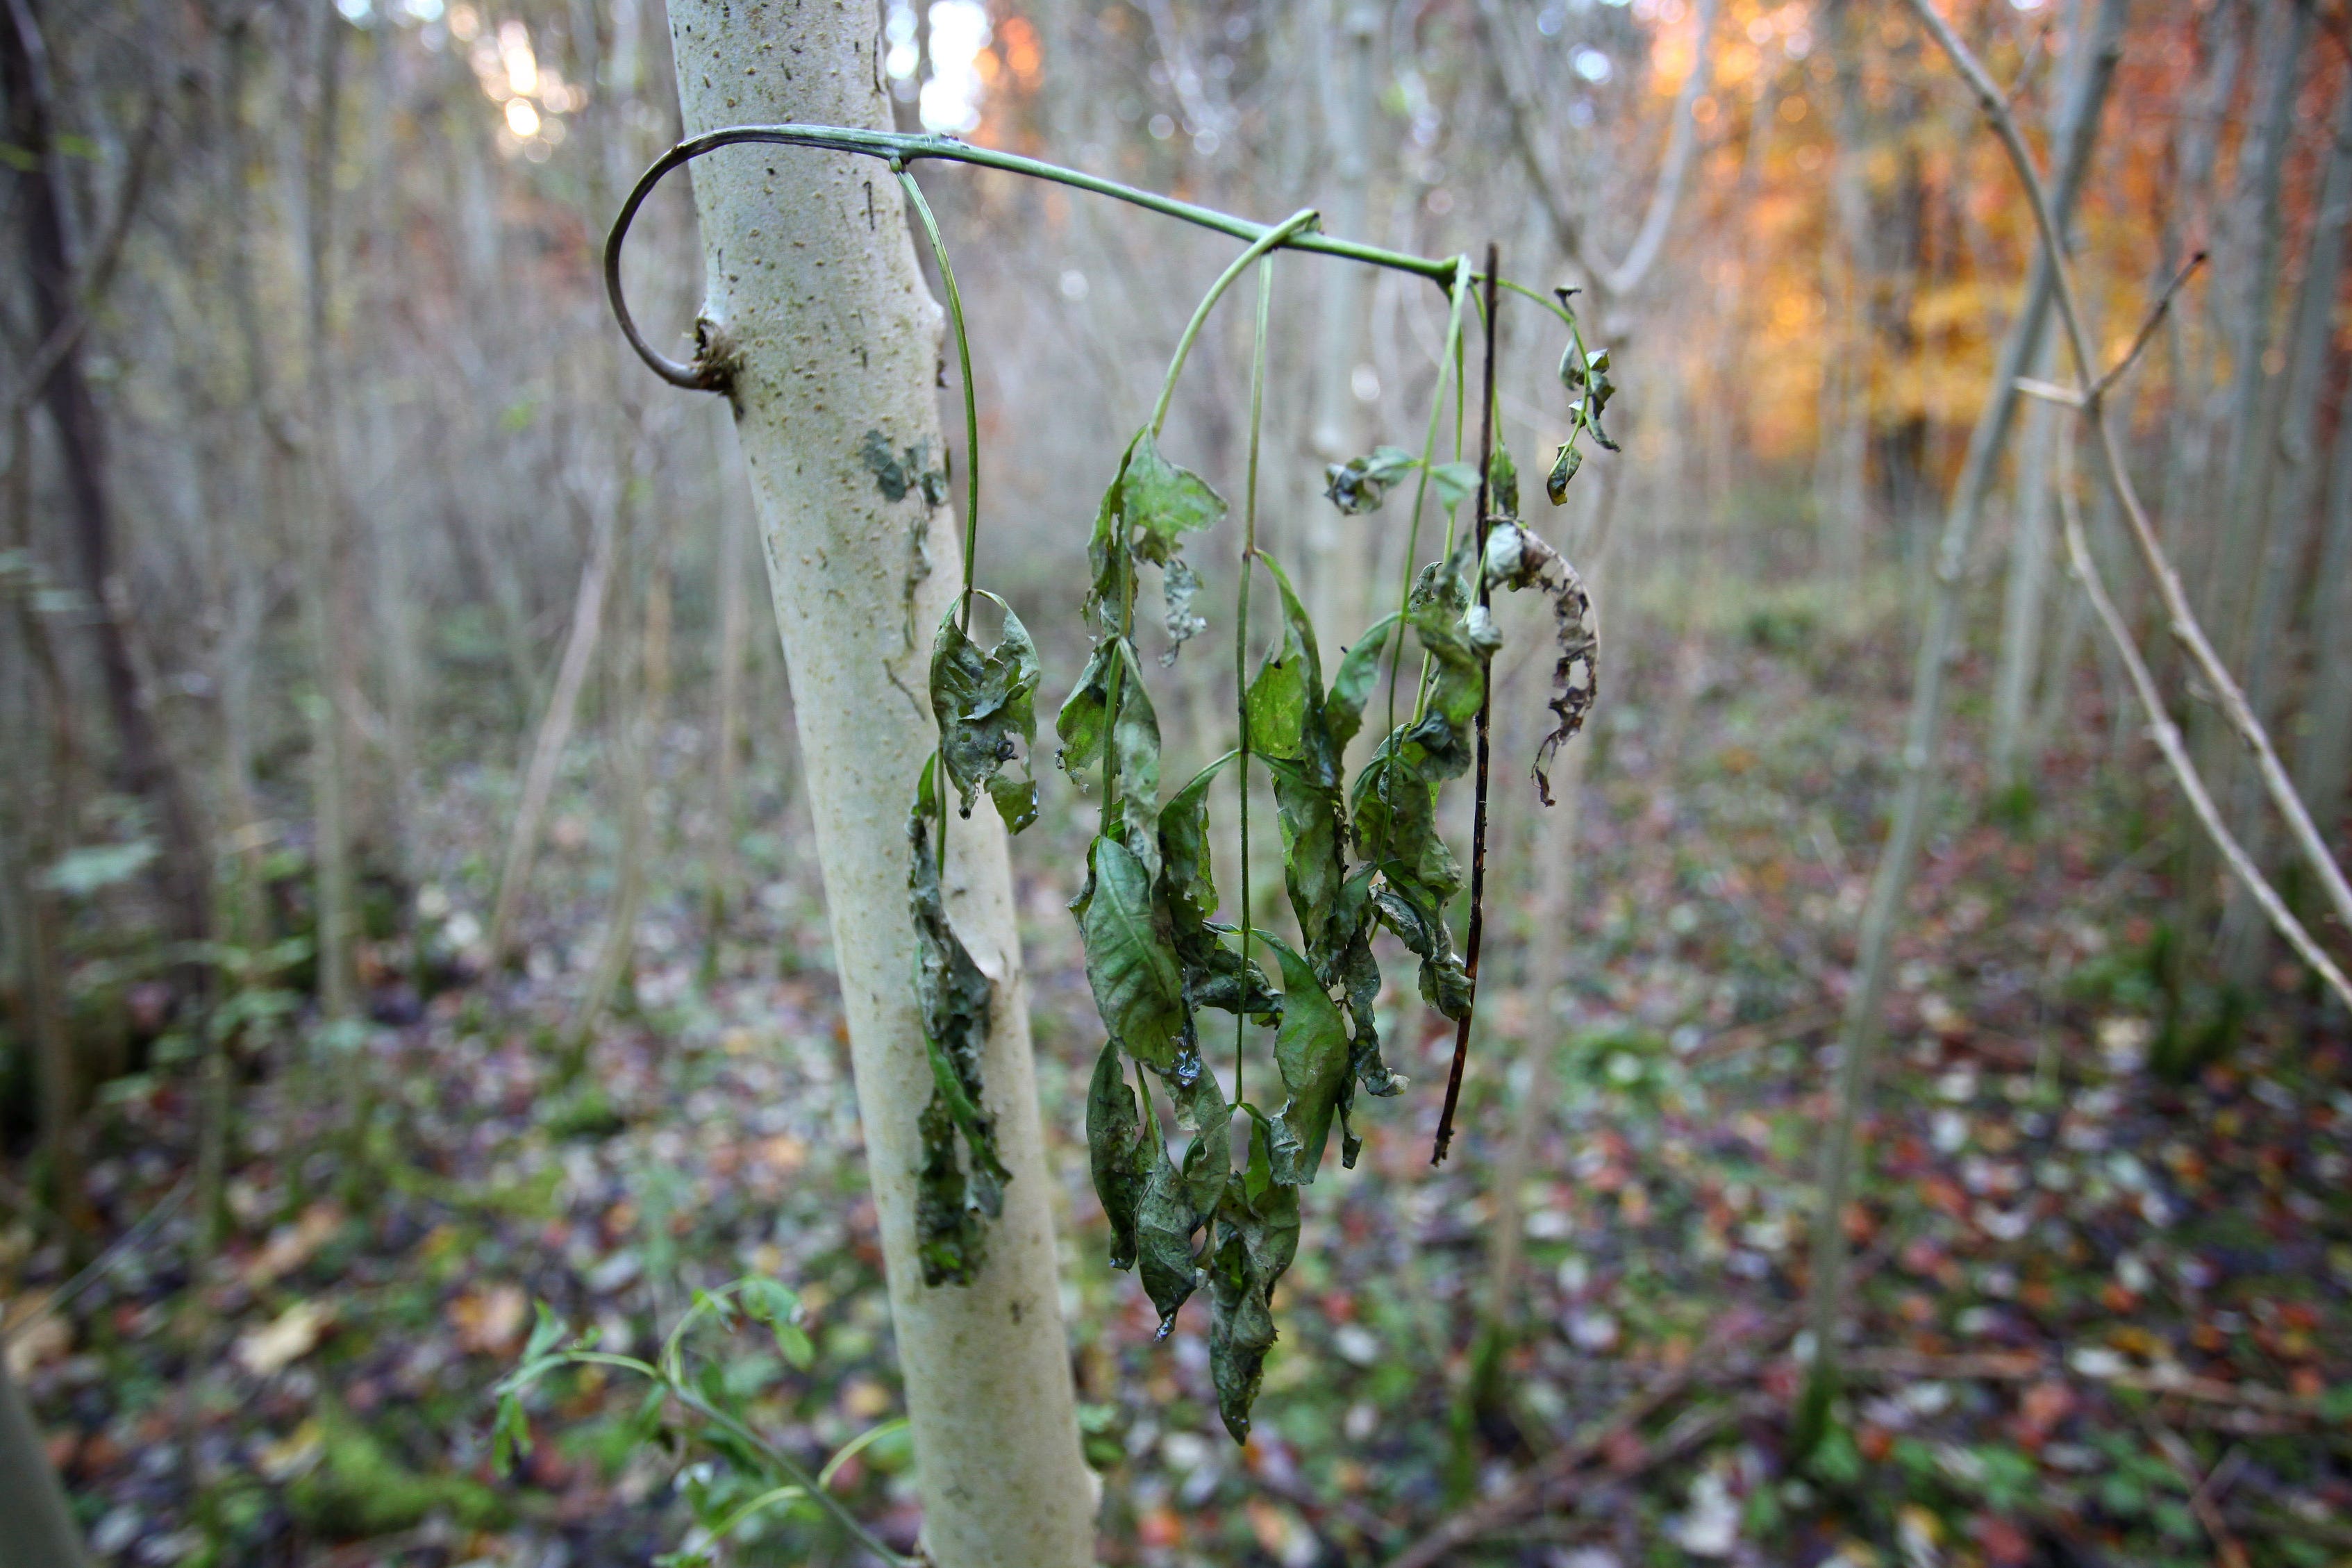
(2049, 392)
(2166, 736)
(2157, 312)
(2185, 625)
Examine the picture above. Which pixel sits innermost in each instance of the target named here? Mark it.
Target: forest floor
(2105, 1314)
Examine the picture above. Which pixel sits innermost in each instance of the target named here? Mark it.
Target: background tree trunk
(40, 1530)
(321, 541)
(146, 770)
(1340, 570)
(2289, 501)
(812, 284)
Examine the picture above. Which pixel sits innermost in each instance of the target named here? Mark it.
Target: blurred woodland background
(406, 906)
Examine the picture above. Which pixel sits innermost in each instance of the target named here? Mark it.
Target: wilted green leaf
(1257, 1236)
(1502, 484)
(950, 1242)
(1454, 482)
(1131, 961)
(1161, 502)
(1117, 1150)
(1080, 725)
(509, 1434)
(1214, 975)
(1563, 468)
(983, 702)
(1360, 484)
(1360, 670)
(1169, 1213)
(1311, 1052)
(1277, 709)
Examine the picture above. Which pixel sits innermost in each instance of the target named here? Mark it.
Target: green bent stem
(791, 1469)
(970, 402)
(971, 437)
(1241, 644)
(1447, 359)
(1280, 233)
(899, 148)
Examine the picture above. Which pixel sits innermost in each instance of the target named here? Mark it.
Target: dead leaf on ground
(290, 1246)
(293, 1334)
(489, 1319)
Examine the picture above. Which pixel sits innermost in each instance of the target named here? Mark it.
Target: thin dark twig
(1486, 708)
(2161, 308)
(98, 274)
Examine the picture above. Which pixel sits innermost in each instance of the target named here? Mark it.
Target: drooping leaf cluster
(1586, 376)
(1359, 854)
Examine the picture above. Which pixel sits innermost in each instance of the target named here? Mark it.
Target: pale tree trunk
(554, 731)
(1845, 494)
(642, 672)
(1338, 566)
(812, 284)
(2024, 593)
(638, 674)
(392, 578)
(40, 1530)
(322, 545)
(2286, 33)
(726, 773)
(252, 535)
(2293, 494)
(2237, 531)
(2024, 586)
(2197, 152)
(2091, 73)
(2324, 760)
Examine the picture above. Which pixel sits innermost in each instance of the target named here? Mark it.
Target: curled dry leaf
(1516, 558)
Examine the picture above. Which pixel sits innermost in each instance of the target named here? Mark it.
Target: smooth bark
(2023, 595)
(814, 292)
(1340, 570)
(2324, 762)
(323, 552)
(726, 773)
(38, 1530)
(2293, 495)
